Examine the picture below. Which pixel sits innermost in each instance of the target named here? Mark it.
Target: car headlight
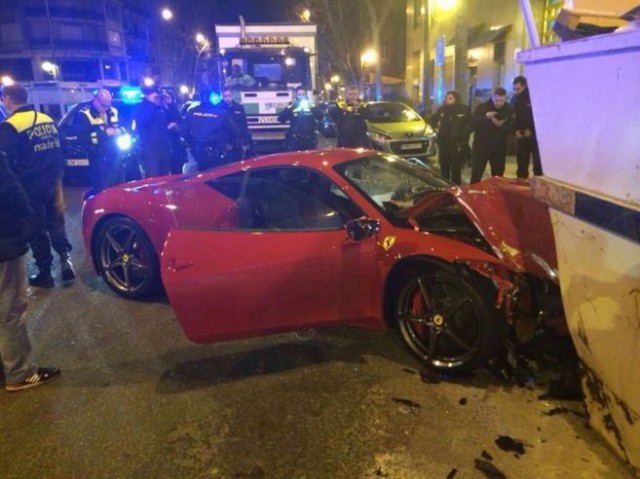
(428, 132)
(124, 142)
(378, 138)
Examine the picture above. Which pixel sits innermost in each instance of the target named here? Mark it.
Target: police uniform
(32, 144)
(208, 130)
(351, 124)
(304, 118)
(104, 161)
(238, 116)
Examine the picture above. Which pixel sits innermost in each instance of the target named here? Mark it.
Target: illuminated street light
(148, 82)
(201, 39)
(328, 86)
(305, 15)
(167, 14)
(335, 78)
(6, 80)
(369, 57)
(48, 67)
(445, 4)
(184, 89)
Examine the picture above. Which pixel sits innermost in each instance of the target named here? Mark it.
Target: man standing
(15, 348)
(97, 127)
(209, 132)
(526, 141)
(452, 123)
(239, 118)
(154, 120)
(303, 116)
(30, 140)
(492, 123)
(351, 121)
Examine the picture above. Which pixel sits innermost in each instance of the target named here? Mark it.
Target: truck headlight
(124, 142)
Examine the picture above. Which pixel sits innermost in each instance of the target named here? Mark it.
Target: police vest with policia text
(39, 141)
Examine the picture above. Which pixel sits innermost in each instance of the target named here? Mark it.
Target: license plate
(78, 162)
(411, 146)
(277, 106)
(267, 135)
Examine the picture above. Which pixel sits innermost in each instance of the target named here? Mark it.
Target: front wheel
(444, 320)
(126, 258)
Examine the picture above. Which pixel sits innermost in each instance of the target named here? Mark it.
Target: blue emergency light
(215, 98)
(130, 94)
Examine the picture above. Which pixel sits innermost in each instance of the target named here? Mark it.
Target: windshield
(391, 183)
(270, 69)
(391, 112)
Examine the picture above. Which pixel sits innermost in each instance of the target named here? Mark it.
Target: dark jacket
(238, 116)
(523, 111)
(151, 122)
(32, 144)
(452, 123)
(303, 117)
(351, 122)
(14, 214)
(488, 135)
(210, 125)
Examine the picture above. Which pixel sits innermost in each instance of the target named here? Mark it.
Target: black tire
(126, 259)
(444, 320)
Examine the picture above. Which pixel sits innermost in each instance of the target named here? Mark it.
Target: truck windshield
(269, 69)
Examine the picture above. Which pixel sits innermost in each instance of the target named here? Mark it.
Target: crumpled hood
(516, 225)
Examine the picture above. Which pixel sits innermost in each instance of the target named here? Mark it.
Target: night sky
(227, 11)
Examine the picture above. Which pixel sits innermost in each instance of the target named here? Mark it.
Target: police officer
(239, 118)
(351, 121)
(302, 135)
(209, 132)
(31, 142)
(452, 122)
(97, 128)
(525, 131)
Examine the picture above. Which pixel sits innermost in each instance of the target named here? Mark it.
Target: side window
(284, 198)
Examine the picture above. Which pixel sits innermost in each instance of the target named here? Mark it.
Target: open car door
(275, 260)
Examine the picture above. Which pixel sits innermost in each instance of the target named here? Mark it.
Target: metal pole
(529, 22)
(51, 45)
(426, 57)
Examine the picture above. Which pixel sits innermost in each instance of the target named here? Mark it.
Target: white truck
(279, 58)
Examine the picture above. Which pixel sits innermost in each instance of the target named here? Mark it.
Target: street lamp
(305, 16)
(50, 68)
(335, 79)
(202, 44)
(369, 57)
(6, 80)
(166, 14)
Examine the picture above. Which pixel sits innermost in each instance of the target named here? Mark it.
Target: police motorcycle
(123, 152)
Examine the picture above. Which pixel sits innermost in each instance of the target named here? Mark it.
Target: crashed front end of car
(502, 218)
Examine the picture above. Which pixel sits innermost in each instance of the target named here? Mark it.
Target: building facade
(494, 32)
(104, 41)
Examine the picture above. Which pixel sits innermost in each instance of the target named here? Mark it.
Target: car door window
(284, 199)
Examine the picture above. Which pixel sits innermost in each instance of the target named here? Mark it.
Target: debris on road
(489, 470)
(410, 405)
(452, 473)
(508, 444)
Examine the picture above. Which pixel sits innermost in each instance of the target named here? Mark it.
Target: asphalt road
(138, 400)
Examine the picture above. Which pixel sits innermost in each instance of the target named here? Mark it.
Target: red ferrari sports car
(294, 241)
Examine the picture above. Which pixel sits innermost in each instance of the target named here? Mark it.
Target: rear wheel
(444, 320)
(126, 258)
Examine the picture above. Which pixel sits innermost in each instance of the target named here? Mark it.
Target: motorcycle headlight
(124, 142)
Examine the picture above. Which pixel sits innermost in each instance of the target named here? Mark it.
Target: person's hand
(491, 115)
(167, 98)
(172, 126)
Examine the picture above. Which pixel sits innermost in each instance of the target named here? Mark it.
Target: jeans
(15, 347)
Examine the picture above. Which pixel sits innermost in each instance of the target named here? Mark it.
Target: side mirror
(362, 228)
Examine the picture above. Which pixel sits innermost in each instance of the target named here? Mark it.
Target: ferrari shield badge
(388, 242)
